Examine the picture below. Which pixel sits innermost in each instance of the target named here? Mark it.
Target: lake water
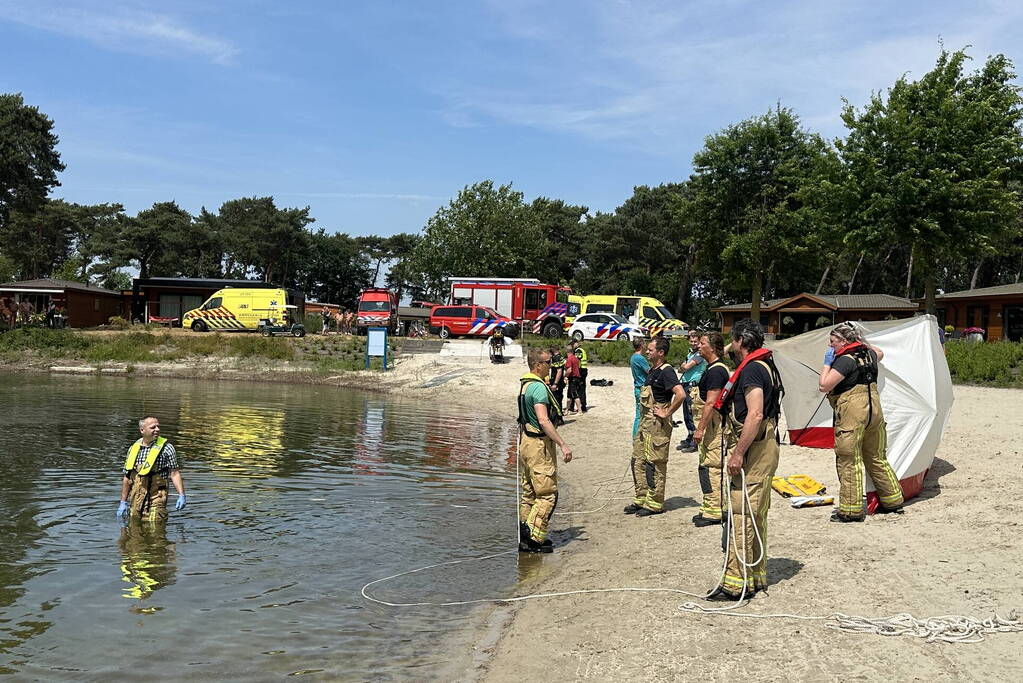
(297, 497)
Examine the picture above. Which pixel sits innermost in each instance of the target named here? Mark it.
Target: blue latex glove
(122, 509)
(181, 502)
(829, 356)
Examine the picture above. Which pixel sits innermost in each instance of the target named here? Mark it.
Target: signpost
(376, 344)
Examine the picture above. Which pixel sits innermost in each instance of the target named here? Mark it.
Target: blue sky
(375, 114)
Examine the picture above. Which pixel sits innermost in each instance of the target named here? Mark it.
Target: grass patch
(610, 352)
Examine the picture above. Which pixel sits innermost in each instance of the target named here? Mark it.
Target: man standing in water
(150, 462)
(537, 462)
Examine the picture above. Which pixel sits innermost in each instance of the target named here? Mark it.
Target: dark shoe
(700, 520)
(532, 546)
(687, 446)
(646, 512)
(523, 533)
(881, 510)
(721, 595)
(838, 517)
(631, 509)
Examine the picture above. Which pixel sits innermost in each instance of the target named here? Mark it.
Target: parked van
(241, 309)
(377, 308)
(474, 321)
(643, 311)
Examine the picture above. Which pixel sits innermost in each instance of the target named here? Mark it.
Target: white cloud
(119, 29)
(651, 75)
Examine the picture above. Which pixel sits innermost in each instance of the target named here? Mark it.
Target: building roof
(997, 290)
(52, 283)
(848, 302)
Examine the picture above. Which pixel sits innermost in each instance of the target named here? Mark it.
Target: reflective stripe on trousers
(861, 451)
(538, 480)
(650, 454)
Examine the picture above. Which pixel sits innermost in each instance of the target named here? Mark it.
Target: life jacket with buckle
(555, 409)
(865, 365)
(151, 456)
(772, 410)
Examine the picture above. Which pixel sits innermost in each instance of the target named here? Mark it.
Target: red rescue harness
(726, 393)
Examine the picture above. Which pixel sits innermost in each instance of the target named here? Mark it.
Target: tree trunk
(754, 312)
(856, 270)
(685, 287)
(976, 272)
(909, 275)
(929, 292)
(824, 278)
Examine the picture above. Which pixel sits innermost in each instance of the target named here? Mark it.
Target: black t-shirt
(755, 374)
(662, 381)
(715, 377)
(851, 371)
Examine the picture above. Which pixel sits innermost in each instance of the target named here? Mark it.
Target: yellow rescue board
(798, 485)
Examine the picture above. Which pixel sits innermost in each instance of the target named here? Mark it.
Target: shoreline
(921, 562)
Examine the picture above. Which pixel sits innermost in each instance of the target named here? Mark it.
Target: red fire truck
(536, 307)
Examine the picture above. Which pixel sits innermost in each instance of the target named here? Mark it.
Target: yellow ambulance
(239, 309)
(644, 311)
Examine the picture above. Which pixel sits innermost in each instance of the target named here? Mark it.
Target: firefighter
(751, 402)
(712, 436)
(692, 371)
(659, 398)
(538, 465)
(150, 462)
(849, 377)
(580, 353)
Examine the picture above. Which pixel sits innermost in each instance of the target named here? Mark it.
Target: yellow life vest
(151, 456)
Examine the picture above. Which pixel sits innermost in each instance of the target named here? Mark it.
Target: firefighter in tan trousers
(149, 464)
(751, 401)
(538, 465)
(659, 398)
(849, 377)
(711, 435)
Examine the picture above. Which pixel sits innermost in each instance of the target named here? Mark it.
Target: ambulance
(241, 309)
(643, 311)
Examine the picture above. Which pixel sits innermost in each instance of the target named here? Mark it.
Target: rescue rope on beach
(946, 629)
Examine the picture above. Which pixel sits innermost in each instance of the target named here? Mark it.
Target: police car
(604, 327)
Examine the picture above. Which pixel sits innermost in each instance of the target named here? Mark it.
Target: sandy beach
(955, 550)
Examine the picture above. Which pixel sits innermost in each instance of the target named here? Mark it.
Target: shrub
(118, 322)
(44, 340)
(261, 347)
(994, 362)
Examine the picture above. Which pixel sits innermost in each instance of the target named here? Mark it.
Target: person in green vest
(150, 462)
(580, 353)
(537, 461)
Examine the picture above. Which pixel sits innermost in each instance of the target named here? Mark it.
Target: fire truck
(535, 306)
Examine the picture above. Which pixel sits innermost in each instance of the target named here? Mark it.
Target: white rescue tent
(914, 384)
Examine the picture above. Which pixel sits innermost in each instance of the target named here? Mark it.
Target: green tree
(260, 239)
(29, 161)
(400, 276)
(335, 269)
(932, 166)
(484, 231)
(55, 233)
(160, 241)
(563, 227)
(751, 184)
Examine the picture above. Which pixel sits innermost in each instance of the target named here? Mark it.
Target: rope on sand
(946, 629)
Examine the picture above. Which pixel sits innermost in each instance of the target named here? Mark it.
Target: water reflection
(239, 439)
(148, 562)
(283, 528)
